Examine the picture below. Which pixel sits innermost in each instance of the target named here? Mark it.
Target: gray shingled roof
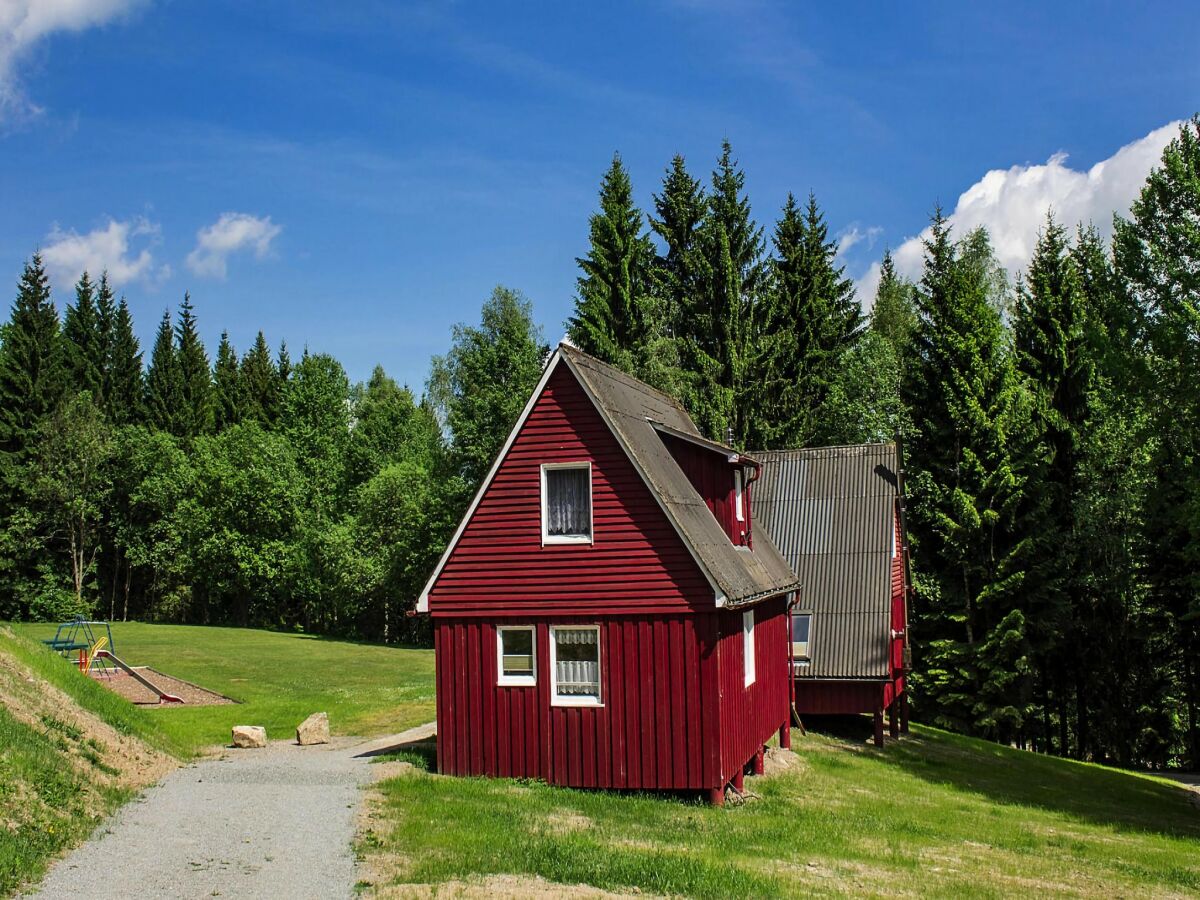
(632, 409)
(830, 511)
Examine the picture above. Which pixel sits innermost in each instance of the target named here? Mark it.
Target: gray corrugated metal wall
(830, 511)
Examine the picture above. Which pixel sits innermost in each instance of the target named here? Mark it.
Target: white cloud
(854, 235)
(23, 23)
(1012, 204)
(230, 233)
(67, 253)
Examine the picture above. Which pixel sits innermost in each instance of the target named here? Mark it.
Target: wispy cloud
(25, 23)
(231, 233)
(113, 248)
(1012, 204)
(853, 235)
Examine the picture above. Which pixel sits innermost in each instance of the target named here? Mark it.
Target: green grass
(935, 814)
(278, 679)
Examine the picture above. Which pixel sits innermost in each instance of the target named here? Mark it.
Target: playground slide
(162, 695)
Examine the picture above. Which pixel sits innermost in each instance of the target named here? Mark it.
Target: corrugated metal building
(836, 514)
(604, 616)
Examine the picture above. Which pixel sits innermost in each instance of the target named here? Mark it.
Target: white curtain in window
(577, 667)
(569, 502)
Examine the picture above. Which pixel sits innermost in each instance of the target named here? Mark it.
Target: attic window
(567, 503)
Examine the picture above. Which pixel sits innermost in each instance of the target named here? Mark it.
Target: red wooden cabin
(605, 615)
(837, 515)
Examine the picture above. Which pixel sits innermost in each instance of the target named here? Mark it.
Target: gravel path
(255, 823)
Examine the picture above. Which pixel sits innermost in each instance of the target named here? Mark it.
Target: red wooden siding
(711, 474)
(898, 623)
(657, 728)
(636, 563)
(822, 698)
(750, 715)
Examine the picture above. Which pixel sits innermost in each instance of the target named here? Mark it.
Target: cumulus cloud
(1012, 204)
(231, 233)
(23, 23)
(120, 248)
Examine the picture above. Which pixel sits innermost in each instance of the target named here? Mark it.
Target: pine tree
(1157, 252)
(1054, 358)
(228, 395)
(807, 322)
(613, 293)
(260, 380)
(966, 405)
(127, 388)
(106, 325)
(82, 345)
(894, 315)
(195, 376)
(33, 379)
(679, 272)
(164, 381)
(283, 365)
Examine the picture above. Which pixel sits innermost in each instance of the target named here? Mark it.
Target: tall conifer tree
(106, 326)
(228, 394)
(679, 272)
(164, 381)
(82, 344)
(195, 376)
(261, 386)
(894, 315)
(126, 388)
(613, 294)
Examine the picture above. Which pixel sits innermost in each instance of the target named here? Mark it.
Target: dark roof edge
(715, 446)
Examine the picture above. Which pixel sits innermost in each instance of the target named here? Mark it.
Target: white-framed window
(748, 645)
(567, 503)
(516, 655)
(739, 510)
(575, 665)
(801, 634)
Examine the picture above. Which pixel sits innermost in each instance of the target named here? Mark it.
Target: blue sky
(356, 178)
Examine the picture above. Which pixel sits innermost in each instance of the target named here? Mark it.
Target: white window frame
(748, 658)
(569, 538)
(806, 657)
(503, 679)
(575, 699)
(739, 509)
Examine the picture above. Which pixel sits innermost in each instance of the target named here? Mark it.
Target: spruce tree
(164, 381)
(283, 365)
(106, 326)
(127, 389)
(894, 315)
(82, 344)
(261, 389)
(33, 379)
(195, 376)
(613, 293)
(228, 395)
(966, 405)
(679, 272)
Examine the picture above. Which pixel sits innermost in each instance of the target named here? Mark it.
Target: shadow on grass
(421, 753)
(1093, 793)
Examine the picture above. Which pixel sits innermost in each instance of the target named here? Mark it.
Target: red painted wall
(711, 474)
(757, 711)
(637, 562)
(676, 714)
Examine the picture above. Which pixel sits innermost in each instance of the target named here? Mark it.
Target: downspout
(748, 511)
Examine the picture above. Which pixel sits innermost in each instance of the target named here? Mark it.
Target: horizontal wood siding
(636, 563)
(660, 697)
(751, 715)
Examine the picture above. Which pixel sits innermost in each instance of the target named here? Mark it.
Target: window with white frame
(801, 634)
(516, 655)
(738, 508)
(575, 665)
(567, 503)
(748, 645)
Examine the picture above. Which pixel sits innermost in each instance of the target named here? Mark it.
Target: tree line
(1050, 429)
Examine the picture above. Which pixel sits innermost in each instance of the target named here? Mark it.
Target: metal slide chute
(163, 696)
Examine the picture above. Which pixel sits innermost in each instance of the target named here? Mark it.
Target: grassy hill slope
(934, 814)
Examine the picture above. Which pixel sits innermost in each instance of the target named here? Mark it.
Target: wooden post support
(879, 728)
(893, 719)
(758, 761)
(904, 712)
(739, 781)
(785, 736)
(716, 796)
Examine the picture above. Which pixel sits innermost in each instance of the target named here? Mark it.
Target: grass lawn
(932, 815)
(278, 679)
